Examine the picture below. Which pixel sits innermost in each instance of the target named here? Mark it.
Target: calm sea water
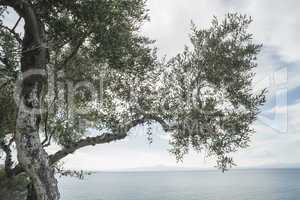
(283, 184)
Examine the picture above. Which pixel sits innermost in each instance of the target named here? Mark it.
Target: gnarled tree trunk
(31, 155)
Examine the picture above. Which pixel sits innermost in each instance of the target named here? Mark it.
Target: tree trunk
(31, 195)
(31, 155)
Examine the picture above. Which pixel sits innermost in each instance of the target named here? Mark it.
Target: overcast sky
(277, 141)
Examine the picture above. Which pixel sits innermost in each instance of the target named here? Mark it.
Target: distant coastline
(162, 168)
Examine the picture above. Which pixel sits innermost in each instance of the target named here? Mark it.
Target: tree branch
(103, 139)
(12, 31)
(119, 134)
(73, 52)
(46, 127)
(17, 23)
(49, 140)
(166, 127)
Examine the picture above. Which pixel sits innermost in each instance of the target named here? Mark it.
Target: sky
(277, 140)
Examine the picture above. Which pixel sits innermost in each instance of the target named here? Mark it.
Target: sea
(249, 184)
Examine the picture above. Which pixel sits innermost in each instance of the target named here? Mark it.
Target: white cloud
(268, 147)
(276, 24)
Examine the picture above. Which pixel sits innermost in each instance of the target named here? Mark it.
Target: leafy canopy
(103, 75)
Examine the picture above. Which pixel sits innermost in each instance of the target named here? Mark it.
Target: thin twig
(17, 23)
(16, 35)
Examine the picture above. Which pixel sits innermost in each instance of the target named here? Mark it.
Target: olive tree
(83, 65)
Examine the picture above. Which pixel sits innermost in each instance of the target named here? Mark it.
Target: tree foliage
(104, 75)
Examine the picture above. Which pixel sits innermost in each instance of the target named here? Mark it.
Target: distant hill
(281, 166)
(162, 168)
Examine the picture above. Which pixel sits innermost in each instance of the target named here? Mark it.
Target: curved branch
(166, 127)
(103, 139)
(74, 51)
(17, 6)
(119, 134)
(24, 9)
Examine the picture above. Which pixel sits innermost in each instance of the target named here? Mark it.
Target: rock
(13, 188)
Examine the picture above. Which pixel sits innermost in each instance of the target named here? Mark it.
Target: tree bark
(31, 194)
(31, 155)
